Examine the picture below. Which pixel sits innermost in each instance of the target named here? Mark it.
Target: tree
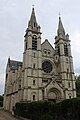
(1, 101)
(77, 78)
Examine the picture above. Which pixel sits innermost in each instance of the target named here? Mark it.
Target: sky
(14, 17)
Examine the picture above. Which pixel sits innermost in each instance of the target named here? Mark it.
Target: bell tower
(32, 76)
(63, 50)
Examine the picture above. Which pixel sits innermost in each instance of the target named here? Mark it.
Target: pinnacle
(60, 27)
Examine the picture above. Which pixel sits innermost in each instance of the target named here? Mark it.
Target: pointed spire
(33, 23)
(9, 61)
(33, 18)
(60, 27)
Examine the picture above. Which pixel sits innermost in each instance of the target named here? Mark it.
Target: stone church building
(46, 73)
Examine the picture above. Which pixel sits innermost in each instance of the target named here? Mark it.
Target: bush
(65, 110)
(46, 117)
(1, 103)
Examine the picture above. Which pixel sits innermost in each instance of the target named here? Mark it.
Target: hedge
(43, 110)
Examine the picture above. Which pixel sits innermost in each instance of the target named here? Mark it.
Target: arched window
(48, 52)
(58, 50)
(33, 97)
(33, 82)
(69, 85)
(69, 97)
(65, 50)
(45, 52)
(34, 42)
(34, 66)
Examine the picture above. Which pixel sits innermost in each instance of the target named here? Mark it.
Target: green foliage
(1, 101)
(1, 98)
(77, 78)
(46, 117)
(65, 110)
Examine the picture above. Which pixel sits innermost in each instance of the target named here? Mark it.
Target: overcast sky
(14, 16)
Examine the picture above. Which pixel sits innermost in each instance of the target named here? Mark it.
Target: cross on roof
(33, 6)
(59, 14)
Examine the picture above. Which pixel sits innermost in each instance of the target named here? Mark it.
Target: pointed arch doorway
(54, 95)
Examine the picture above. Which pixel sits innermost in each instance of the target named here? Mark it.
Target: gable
(47, 47)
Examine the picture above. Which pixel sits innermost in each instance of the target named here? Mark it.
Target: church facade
(46, 73)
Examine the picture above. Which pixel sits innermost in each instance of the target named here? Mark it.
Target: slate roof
(14, 65)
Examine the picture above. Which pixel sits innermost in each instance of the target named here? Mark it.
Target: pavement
(4, 115)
